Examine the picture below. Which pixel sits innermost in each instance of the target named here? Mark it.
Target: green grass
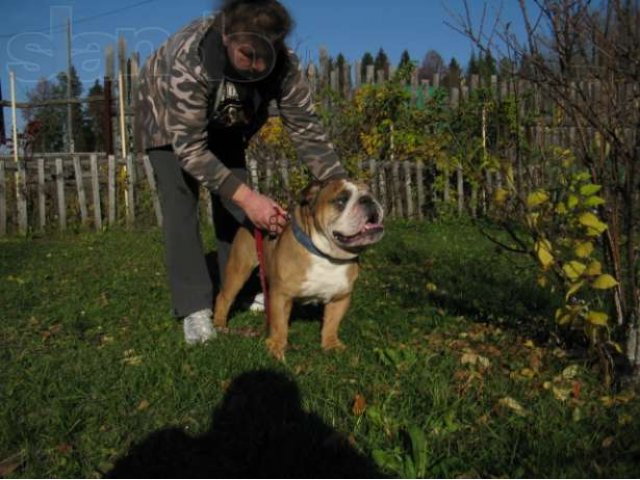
(460, 378)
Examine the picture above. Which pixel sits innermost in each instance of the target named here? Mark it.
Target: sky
(33, 32)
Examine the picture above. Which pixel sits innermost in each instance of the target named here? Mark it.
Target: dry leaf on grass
(359, 405)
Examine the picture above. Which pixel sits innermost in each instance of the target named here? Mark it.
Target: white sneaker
(198, 327)
(258, 303)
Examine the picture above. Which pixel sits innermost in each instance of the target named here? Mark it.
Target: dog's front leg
(334, 311)
(280, 311)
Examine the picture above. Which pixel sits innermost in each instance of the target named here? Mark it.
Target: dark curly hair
(266, 17)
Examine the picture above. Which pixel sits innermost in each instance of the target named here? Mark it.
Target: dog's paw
(276, 348)
(220, 323)
(334, 345)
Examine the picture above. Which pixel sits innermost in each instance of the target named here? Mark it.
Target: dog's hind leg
(242, 260)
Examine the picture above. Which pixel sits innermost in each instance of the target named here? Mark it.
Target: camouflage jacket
(184, 98)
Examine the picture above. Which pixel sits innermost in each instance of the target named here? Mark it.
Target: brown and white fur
(341, 218)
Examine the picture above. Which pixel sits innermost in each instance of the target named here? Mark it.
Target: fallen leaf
(143, 405)
(607, 442)
(570, 372)
(64, 448)
(11, 464)
(535, 361)
(513, 405)
(359, 405)
(527, 373)
(130, 358)
(576, 388)
(471, 358)
(561, 393)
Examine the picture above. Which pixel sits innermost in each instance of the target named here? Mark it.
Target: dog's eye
(341, 200)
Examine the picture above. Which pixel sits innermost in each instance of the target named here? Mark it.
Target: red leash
(263, 274)
(273, 232)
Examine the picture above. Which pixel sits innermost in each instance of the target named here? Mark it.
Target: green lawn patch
(450, 371)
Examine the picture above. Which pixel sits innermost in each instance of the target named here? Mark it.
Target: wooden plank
(42, 205)
(420, 187)
(397, 195)
(148, 169)
(131, 183)
(82, 198)
(21, 196)
(408, 188)
(374, 183)
(62, 206)
(370, 73)
(3, 200)
(382, 187)
(111, 185)
(95, 188)
(334, 82)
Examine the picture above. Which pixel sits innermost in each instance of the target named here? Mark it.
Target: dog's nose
(369, 204)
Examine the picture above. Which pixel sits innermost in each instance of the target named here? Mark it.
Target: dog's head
(345, 216)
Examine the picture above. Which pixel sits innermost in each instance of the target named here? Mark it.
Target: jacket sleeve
(303, 125)
(187, 120)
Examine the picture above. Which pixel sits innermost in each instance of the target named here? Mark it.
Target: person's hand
(263, 212)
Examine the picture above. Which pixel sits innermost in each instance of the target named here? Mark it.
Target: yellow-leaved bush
(563, 227)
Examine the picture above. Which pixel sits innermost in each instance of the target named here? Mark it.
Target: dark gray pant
(189, 279)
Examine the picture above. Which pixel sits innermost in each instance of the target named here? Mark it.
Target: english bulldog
(314, 259)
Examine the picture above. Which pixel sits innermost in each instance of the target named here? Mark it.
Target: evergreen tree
(405, 59)
(487, 67)
(453, 75)
(473, 67)
(382, 63)
(367, 59)
(51, 117)
(94, 129)
(77, 114)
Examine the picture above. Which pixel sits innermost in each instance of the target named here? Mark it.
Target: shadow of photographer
(259, 430)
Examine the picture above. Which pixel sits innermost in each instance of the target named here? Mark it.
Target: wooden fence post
(131, 183)
(111, 182)
(397, 195)
(21, 192)
(95, 188)
(382, 183)
(42, 205)
(370, 74)
(374, 178)
(82, 198)
(408, 188)
(420, 187)
(62, 204)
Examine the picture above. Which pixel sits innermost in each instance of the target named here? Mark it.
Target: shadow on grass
(258, 431)
(482, 285)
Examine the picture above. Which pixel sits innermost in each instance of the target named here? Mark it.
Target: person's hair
(266, 17)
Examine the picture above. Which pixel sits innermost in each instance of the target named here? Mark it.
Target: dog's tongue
(371, 226)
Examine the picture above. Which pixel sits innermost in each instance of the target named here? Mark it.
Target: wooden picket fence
(94, 191)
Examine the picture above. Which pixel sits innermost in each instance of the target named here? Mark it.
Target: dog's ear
(309, 195)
